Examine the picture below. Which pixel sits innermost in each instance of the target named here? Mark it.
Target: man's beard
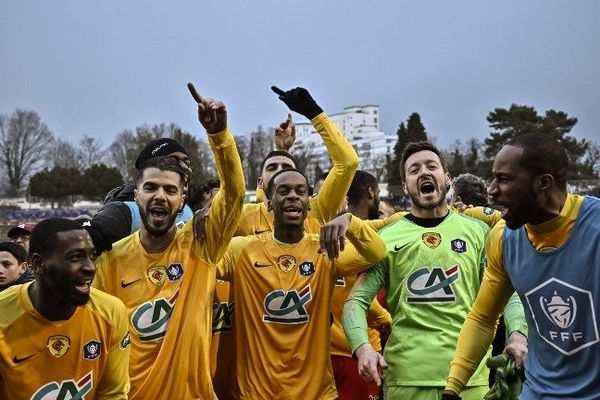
(154, 231)
(374, 211)
(414, 197)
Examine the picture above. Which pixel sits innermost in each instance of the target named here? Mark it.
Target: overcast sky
(98, 67)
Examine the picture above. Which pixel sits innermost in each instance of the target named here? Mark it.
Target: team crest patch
(488, 210)
(458, 245)
(157, 274)
(307, 268)
(92, 349)
(286, 263)
(431, 239)
(174, 271)
(58, 345)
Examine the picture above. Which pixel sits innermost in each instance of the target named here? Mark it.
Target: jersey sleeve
(114, 383)
(478, 330)
(326, 204)
(226, 265)
(366, 250)
(110, 224)
(485, 214)
(226, 208)
(379, 224)
(377, 316)
(354, 315)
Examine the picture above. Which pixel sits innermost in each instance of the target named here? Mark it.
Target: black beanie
(159, 147)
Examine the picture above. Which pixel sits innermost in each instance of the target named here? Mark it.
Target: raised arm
(226, 207)
(326, 204)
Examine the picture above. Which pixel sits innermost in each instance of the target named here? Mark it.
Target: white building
(360, 124)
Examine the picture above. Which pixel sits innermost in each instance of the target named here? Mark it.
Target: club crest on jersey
(431, 239)
(307, 268)
(564, 315)
(58, 345)
(286, 263)
(458, 245)
(340, 282)
(287, 307)
(174, 271)
(157, 274)
(92, 349)
(222, 317)
(150, 319)
(66, 390)
(432, 285)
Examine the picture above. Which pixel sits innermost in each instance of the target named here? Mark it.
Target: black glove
(300, 101)
(446, 396)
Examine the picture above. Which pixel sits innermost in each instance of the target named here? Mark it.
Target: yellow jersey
(323, 207)
(222, 346)
(86, 356)
(169, 295)
(282, 296)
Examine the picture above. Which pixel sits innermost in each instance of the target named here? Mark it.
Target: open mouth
(158, 212)
(427, 187)
(83, 285)
(292, 211)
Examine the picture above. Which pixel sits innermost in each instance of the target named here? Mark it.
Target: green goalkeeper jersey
(432, 276)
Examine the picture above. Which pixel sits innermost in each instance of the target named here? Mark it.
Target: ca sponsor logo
(150, 319)
(432, 285)
(66, 390)
(564, 315)
(287, 307)
(222, 317)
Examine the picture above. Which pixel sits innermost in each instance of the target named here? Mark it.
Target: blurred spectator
(386, 207)
(20, 234)
(13, 265)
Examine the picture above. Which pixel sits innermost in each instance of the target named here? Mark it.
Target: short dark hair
(471, 189)
(415, 147)
(163, 163)
(359, 188)
(276, 153)
(43, 237)
(321, 177)
(271, 185)
(16, 250)
(543, 154)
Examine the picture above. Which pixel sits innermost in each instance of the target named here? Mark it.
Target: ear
(135, 195)
(448, 180)
(404, 187)
(371, 194)
(546, 181)
(37, 264)
(269, 208)
(23, 267)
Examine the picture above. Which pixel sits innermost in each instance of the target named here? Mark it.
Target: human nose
(493, 189)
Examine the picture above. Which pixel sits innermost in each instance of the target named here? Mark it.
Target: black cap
(159, 147)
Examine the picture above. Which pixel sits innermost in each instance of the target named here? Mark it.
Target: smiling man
(546, 249)
(432, 272)
(166, 277)
(282, 290)
(66, 339)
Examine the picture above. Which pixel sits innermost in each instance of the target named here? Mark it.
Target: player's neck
(156, 244)
(437, 212)
(550, 207)
(48, 304)
(288, 235)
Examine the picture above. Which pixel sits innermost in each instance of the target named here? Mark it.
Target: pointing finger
(194, 92)
(277, 90)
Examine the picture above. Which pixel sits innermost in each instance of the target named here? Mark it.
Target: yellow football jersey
(86, 356)
(282, 296)
(323, 207)
(222, 347)
(486, 214)
(376, 316)
(169, 295)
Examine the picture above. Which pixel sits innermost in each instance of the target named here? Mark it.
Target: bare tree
(121, 152)
(61, 153)
(23, 138)
(91, 151)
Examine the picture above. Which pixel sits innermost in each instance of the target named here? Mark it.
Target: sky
(99, 67)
